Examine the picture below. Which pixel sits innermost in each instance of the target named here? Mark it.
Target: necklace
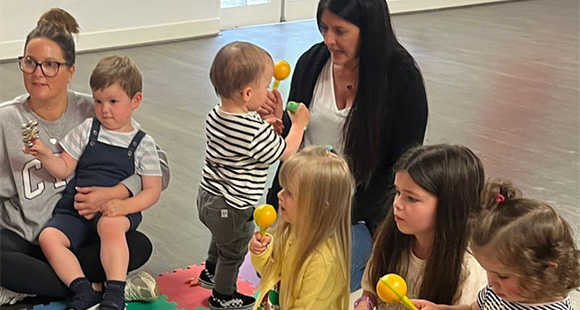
(351, 83)
(51, 139)
(40, 121)
(351, 87)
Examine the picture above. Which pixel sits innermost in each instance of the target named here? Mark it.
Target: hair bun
(508, 190)
(59, 18)
(497, 191)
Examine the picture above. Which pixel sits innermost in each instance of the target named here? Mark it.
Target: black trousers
(24, 269)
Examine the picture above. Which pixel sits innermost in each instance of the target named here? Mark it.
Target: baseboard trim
(408, 6)
(301, 10)
(127, 37)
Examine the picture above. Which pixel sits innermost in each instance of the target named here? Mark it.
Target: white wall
(114, 23)
(111, 23)
(306, 9)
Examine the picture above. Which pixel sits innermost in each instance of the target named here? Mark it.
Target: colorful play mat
(178, 294)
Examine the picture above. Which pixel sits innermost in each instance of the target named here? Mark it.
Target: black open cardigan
(404, 126)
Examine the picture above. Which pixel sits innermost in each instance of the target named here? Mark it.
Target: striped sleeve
(146, 158)
(76, 140)
(266, 146)
(487, 299)
(481, 297)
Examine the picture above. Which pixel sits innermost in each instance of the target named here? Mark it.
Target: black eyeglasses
(48, 68)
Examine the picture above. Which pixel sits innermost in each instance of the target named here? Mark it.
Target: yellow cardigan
(321, 281)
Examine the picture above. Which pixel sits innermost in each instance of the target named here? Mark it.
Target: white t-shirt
(473, 279)
(146, 159)
(326, 120)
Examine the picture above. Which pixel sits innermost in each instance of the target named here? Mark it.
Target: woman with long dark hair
(367, 99)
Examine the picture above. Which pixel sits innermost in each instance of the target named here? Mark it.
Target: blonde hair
(531, 238)
(117, 69)
(322, 186)
(237, 65)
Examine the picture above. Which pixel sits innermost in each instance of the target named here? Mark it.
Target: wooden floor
(502, 79)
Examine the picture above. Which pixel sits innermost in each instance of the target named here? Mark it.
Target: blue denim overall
(100, 165)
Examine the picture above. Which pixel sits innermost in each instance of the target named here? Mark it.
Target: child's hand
(422, 304)
(38, 149)
(258, 244)
(363, 305)
(277, 124)
(300, 117)
(115, 207)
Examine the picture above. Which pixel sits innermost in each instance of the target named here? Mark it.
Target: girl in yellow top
(305, 262)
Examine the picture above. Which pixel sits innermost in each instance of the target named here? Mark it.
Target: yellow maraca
(391, 288)
(281, 71)
(264, 216)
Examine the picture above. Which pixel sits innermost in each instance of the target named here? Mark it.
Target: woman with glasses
(48, 68)
(28, 193)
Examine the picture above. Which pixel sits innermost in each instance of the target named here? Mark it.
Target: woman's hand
(273, 107)
(89, 201)
(259, 244)
(115, 207)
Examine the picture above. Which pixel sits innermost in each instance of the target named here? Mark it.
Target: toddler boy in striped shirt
(240, 148)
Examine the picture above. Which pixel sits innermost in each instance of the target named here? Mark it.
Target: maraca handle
(262, 231)
(292, 106)
(276, 84)
(407, 303)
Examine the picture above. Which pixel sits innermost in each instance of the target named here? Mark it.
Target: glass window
(235, 3)
(232, 3)
(250, 2)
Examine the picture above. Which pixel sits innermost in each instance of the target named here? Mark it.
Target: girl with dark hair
(367, 99)
(425, 235)
(28, 193)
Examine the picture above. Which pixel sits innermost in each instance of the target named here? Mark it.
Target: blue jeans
(362, 246)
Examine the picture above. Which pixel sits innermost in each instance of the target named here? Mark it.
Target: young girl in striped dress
(528, 251)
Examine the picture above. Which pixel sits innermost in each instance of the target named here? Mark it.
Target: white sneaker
(8, 297)
(141, 286)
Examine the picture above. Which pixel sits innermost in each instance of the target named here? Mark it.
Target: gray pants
(231, 230)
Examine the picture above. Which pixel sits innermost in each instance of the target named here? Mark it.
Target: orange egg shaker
(391, 288)
(264, 216)
(281, 72)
